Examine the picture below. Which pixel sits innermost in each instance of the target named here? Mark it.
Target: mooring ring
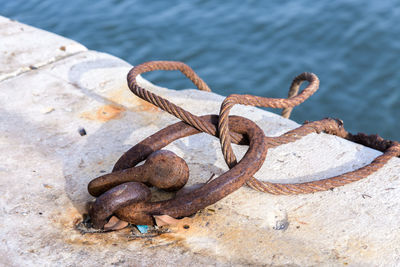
(187, 204)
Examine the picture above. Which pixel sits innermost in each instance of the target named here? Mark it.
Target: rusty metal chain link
(129, 200)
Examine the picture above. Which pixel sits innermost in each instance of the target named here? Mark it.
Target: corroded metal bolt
(162, 169)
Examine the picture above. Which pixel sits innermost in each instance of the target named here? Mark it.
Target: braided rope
(391, 149)
(164, 104)
(293, 91)
(251, 100)
(330, 126)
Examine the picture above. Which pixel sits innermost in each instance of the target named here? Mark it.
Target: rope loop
(330, 126)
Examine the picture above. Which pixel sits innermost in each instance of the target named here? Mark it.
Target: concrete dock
(50, 87)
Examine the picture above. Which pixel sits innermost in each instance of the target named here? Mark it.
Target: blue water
(252, 47)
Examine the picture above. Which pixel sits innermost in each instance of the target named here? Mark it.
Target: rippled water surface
(252, 47)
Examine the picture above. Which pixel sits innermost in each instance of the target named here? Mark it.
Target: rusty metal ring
(187, 204)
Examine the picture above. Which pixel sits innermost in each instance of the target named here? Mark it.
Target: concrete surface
(24, 48)
(45, 166)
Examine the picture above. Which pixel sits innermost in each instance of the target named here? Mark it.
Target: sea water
(251, 47)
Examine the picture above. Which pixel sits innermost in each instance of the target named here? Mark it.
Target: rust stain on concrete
(217, 235)
(125, 97)
(124, 100)
(104, 113)
(109, 112)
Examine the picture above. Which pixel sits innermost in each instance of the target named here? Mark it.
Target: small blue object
(143, 228)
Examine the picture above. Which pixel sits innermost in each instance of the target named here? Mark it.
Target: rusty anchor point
(135, 207)
(125, 193)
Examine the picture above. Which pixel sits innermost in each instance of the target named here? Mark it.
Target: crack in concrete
(37, 66)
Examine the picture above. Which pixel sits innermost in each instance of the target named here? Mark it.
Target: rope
(390, 148)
